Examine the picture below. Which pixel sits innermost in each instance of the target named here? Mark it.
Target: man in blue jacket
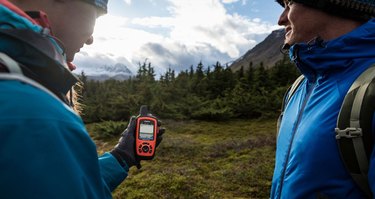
(331, 43)
(45, 150)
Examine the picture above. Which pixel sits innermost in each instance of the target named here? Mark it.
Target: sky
(177, 33)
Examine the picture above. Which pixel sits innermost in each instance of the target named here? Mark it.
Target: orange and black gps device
(146, 132)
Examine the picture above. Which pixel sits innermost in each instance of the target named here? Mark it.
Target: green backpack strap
(288, 94)
(354, 128)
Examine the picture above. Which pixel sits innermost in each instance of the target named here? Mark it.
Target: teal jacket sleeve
(112, 172)
(46, 152)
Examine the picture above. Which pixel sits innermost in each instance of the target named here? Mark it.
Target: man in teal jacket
(331, 43)
(45, 150)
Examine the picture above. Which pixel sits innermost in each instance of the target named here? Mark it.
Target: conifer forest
(213, 93)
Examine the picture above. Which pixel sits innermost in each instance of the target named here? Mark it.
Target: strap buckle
(350, 132)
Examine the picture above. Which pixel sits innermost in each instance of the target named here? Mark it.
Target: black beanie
(355, 9)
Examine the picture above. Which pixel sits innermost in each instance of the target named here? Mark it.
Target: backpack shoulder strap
(11, 65)
(15, 73)
(354, 128)
(288, 94)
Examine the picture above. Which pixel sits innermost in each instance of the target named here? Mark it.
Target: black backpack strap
(354, 128)
(15, 73)
(288, 94)
(39, 59)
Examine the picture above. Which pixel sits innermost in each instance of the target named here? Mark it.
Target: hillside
(267, 51)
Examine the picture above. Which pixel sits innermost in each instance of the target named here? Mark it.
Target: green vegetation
(204, 93)
(107, 129)
(198, 159)
(220, 138)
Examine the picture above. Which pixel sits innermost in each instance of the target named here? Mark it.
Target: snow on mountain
(103, 72)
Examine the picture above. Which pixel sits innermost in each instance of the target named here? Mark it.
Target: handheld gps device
(146, 132)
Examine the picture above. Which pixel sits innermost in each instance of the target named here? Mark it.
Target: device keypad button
(145, 149)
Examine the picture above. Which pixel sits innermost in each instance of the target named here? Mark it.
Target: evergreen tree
(214, 93)
(240, 73)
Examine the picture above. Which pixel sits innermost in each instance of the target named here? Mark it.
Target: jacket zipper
(311, 88)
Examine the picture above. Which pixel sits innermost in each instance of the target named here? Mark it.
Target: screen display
(146, 130)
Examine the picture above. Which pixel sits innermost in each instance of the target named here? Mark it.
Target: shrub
(107, 129)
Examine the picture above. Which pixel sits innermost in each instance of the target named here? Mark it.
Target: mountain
(103, 77)
(104, 72)
(267, 51)
(117, 69)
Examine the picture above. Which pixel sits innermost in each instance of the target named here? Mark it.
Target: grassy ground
(205, 160)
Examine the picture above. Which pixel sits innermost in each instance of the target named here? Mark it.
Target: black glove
(124, 151)
(159, 136)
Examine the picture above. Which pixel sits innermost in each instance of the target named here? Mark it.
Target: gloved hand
(124, 151)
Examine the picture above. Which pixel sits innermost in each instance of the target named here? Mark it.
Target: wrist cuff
(119, 159)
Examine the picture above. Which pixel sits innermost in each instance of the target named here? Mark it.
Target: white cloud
(153, 22)
(229, 1)
(244, 2)
(195, 31)
(128, 1)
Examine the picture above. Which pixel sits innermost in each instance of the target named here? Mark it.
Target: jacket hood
(31, 45)
(318, 56)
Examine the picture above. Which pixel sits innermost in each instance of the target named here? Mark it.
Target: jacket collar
(16, 10)
(318, 57)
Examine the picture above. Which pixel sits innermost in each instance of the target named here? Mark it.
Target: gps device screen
(146, 130)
